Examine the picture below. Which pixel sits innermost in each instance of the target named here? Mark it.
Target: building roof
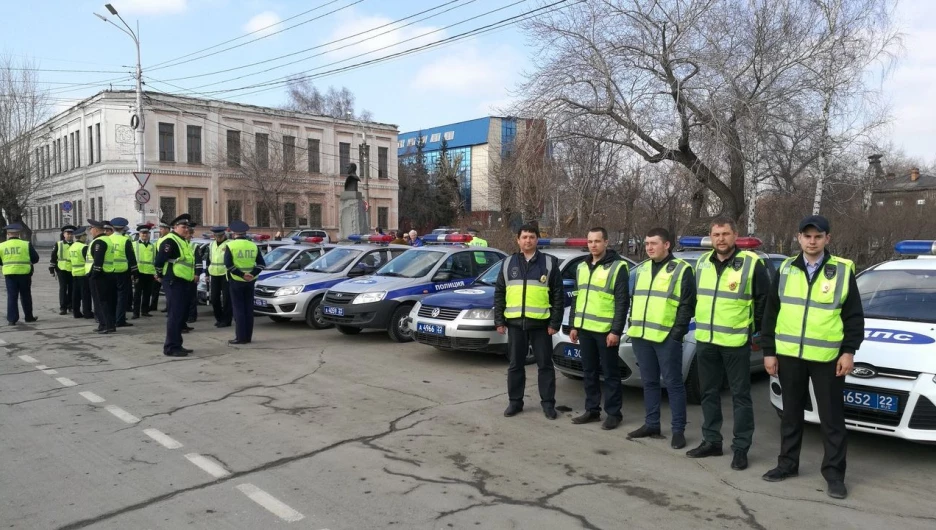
(462, 134)
(904, 184)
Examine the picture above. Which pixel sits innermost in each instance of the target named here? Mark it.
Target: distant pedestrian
(17, 258)
(415, 240)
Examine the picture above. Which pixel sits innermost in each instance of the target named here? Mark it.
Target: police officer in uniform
(731, 292)
(175, 265)
(125, 270)
(476, 239)
(528, 300)
(99, 266)
(813, 325)
(220, 295)
(661, 309)
(164, 230)
(60, 266)
(597, 322)
(199, 270)
(16, 262)
(81, 292)
(243, 261)
(145, 253)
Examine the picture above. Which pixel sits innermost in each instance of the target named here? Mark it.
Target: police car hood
(899, 344)
(396, 286)
(300, 278)
(478, 296)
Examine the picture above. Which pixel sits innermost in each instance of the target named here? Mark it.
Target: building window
(48, 161)
(383, 216)
(382, 162)
(898, 203)
(196, 209)
(263, 214)
(97, 138)
(289, 215)
(315, 215)
(166, 142)
(262, 148)
(315, 161)
(78, 212)
(193, 144)
(58, 215)
(233, 149)
(344, 157)
(77, 149)
(92, 213)
(168, 207)
(100, 208)
(90, 144)
(921, 202)
(289, 154)
(234, 211)
(365, 161)
(65, 165)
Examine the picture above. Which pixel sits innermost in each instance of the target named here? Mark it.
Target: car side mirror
(442, 277)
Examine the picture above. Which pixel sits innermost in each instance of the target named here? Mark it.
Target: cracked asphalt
(359, 432)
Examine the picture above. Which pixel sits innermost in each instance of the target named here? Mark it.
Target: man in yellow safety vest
(244, 262)
(81, 290)
(219, 294)
(145, 253)
(61, 268)
(17, 257)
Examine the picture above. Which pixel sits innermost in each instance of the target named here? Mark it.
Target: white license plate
(337, 311)
(432, 329)
(260, 303)
(871, 401)
(572, 352)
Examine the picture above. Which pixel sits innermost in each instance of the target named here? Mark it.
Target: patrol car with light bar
(892, 388)
(294, 257)
(384, 300)
(567, 356)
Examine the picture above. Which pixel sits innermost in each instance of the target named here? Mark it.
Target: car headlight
(369, 298)
(480, 314)
(286, 291)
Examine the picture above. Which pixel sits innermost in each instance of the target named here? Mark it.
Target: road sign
(67, 206)
(142, 196)
(67, 217)
(142, 177)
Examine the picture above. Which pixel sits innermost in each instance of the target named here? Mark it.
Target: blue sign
(67, 206)
(894, 336)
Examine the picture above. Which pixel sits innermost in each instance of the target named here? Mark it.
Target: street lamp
(139, 126)
(365, 159)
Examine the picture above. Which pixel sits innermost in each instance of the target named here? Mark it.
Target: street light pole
(365, 161)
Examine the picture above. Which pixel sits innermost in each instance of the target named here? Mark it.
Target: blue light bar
(695, 241)
(446, 238)
(370, 238)
(562, 242)
(912, 247)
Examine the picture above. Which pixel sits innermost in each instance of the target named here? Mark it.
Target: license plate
(871, 401)
(337, 311)
(260, 303)
(432, 329)
(572, 352)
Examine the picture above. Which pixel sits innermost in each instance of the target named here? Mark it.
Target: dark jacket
(852, 311)
(760, 284)
(621, 293)
(530, 272)
(687, 298)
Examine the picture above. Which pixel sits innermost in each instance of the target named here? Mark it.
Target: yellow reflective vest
(119, 244)
(63, 260)
(478, 241)
(183, 267)
(216, 256)
(108, 265)
(594, 301)
(15, 253)
(77, 259)
(145, 257)
(655, 301)
(526, 297)
(244, 256)
(724, 304)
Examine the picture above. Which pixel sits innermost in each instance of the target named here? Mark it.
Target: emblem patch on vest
(829, 271)
(733, 286)
(671, 266)
(826, 287)
(543, 279)
(737, 264)
(514, 272)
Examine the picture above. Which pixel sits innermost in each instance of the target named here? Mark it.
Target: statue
(351, 183)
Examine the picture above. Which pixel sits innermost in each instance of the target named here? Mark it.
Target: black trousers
(193, 300)
(242, 302)
(65, 289)
(153, 303)
(104, 294)
(598, 359)
(19, 289)
(124, 294)
(519, 342)
(81, 297)
(794, 377)
(715, 362)
(220, 297)
(143, 293)
(177, 304)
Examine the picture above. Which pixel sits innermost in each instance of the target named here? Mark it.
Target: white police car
(384, 300)
(892, 389)
(298, 294)
(287, 258)
(567, 356)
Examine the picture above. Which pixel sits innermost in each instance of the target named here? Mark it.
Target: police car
(892, 388)
(288, 258)
(300, 234)
(298, 294)
(567, 356)
(384, 300)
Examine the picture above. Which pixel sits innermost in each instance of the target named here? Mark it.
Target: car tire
(348, 330)
(280, 319)
(397, 327)
(313, 315)
(693, 387)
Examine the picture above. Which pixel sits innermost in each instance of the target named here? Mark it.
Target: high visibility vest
(76, 259)
(478, 241)
(526, 297)
(108, 265)
(145, 257)
(216, 255)
(594, 301)
(183, 267)
(244, 256)
(809, 324)
(15, 254)
(724, 304)
(120, 251)
(656, 300)
(62, 257)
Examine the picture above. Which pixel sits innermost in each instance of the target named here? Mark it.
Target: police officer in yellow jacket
(144, 251)
(813, 325)
(81, 291)
(61, 268)
(17, 257)
(528, 301)
(125, 270)
(476, 239)
(175, 268)
(244, 262)
(219, 295)
(596, 321)
(99, 266)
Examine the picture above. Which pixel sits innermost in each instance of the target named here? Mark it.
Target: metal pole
(140, 136)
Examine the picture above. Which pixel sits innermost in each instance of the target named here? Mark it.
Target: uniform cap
(15, 227)
(119, 222)
(80, 231)
(68, 228)
(819, 222)
(144, 227)
(96, 224)
(219, 229)
(184, 219)
(164, 224)
(239, 227)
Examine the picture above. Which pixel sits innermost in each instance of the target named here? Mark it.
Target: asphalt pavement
(314, 429)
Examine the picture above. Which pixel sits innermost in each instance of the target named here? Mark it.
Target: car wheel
(348, 330)
(280, 319)
(313, 317)
(398, 329)
(693, 388)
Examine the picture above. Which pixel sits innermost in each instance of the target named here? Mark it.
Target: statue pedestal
(351, 215)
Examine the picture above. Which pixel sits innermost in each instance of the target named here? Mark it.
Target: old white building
(216, 160)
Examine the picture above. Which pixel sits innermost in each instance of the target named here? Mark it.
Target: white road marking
(122, 414)
(164, 439)
(26, 358)
(92, 397)
(65, 381)
(271, 503)
(208, 466)
(45, 369)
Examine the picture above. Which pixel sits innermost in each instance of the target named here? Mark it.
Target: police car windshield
(490, 276)
(278, 257)
(334, 261)
(412, 264)
(899, 294)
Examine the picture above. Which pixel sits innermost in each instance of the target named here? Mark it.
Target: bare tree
(526, 179)
(335, 102)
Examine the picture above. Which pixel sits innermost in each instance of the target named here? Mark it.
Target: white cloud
(913, 112)
(468, 72)
(150, 7)
(372, 40)
(261, 23)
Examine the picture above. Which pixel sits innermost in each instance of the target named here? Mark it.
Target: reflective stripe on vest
(656, 300)
(724, 309)
(809, 323)
(594, 301)
(526, 299)
(216, 255)
(108, 265)
(183, 267)
(77, 260)
(145, 256)
(244, 256)
(15, 254)
(120, 251)
(63, 258)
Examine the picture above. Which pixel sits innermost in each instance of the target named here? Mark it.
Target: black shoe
(146, 314)
(63, 312)
(586, 417)
(837, 489)
(125, 325)
(778, 474)
(177, 353)
(705, 449)
(134, 317)
(186, 330)
(105, 331)
(11, 323)
(89, 317)
(679, 440)
(611, 422)
(216, 324)
(31, 319)
(235, 341)
(190, 321)
(739, 462)
(550, 412)
(79, 316)
(224, 325)
(513, 409)
(163, 310)
(645, 431)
